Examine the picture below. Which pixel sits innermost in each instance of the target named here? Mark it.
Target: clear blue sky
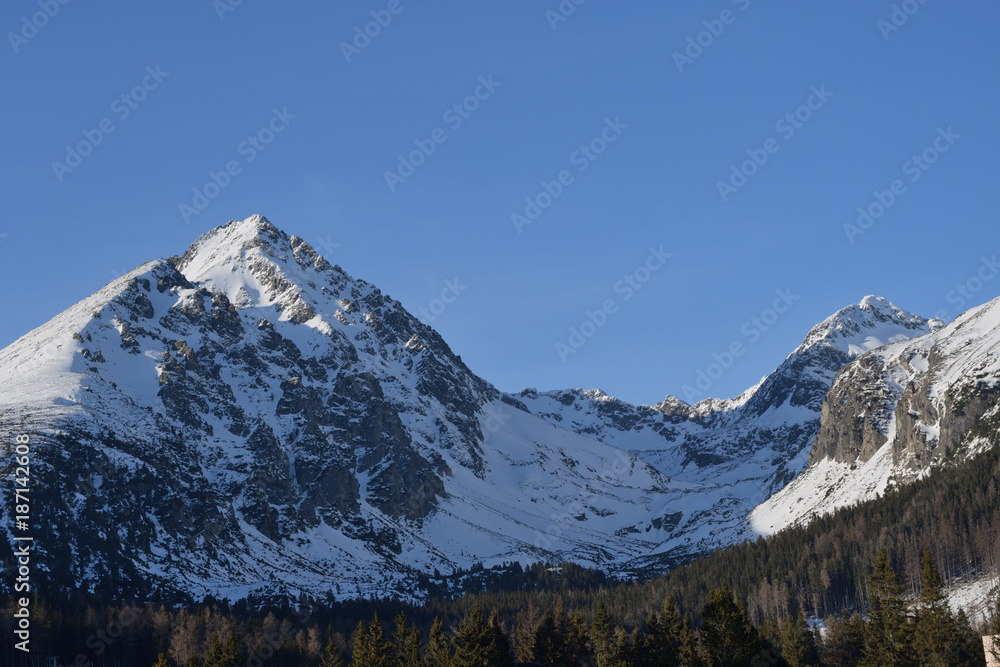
(323, 175)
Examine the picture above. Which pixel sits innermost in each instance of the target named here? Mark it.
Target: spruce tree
(601, 636)
(359, 653)
(161, 661)
(664, 636)
(730, 639)
(966, 645)
(576, 641)
(438, 652)
(214, 658)
(232, 651)
(935, 628)
(887, 637)
(406, 643)
(547, 645)
(689, 654)
(377, 653)
(371, 649)
(331, 656)
(481, 643)
(845, 641)
(798, 644)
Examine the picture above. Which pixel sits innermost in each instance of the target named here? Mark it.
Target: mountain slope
(248, 418)
(726, 456)
(896, 412)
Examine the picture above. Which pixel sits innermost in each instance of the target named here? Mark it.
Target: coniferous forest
(864, 586)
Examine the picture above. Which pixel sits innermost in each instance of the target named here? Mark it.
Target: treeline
(822, 568)
(892, 632)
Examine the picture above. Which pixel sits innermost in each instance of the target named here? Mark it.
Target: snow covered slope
(724, 457)
(248, 418)
(894, 413)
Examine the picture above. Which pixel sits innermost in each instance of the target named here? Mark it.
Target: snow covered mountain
(724, 457)
(896, 412)
(248, 418)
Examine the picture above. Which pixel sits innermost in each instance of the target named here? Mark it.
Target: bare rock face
(927, 396)
(895, 413)
(854, 414)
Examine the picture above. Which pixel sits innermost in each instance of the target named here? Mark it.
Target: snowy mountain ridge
(247, 418)
(725, 456)
(895, 413)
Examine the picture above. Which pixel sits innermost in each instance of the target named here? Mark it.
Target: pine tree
(406, 643)
(664, 635)
(481, 643)
(576, 641)
(331, 656)
(601, 636)
(798, 644)
(547, 645)
(359, 653)
(215, 657)
(967, 645)
(371, 649)
(438, 652)
(935, 627)
(845, 641)
(887, 639)
(689, 654)
(161, 661)
(730, 639)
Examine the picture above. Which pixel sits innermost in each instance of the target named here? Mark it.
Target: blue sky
(640, 136)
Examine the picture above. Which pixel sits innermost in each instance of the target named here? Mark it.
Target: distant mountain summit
(896, 412)
(724, 456)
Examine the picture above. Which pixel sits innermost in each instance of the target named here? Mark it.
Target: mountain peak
(234, 237)
(870, 323)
